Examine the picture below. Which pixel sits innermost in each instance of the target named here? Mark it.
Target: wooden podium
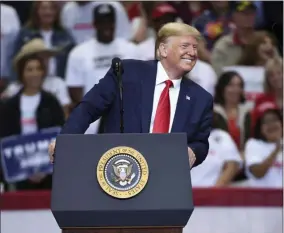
(121, 183)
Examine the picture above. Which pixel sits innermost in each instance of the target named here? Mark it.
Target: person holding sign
(30, 110)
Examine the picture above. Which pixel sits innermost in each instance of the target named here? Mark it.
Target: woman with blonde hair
(259, 50)
(273, 86)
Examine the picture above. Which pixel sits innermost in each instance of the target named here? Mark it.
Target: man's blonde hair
(174, 29)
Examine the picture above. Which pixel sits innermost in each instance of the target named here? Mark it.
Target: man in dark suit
(157, 99)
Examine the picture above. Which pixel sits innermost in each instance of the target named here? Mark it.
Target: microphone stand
(120, 86)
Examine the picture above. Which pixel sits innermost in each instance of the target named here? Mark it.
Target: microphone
(118, 71)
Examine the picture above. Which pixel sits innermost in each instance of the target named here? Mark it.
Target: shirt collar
(162, 76)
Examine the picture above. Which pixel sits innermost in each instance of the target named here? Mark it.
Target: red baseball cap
(163, 9)
(262, 108)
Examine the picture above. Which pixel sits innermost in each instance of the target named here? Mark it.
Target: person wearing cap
(213, 23)
(32, 109)
(157, 97)
(52, 84)
(202, 73)
(89, 61)
(228, 49)
(263, 152)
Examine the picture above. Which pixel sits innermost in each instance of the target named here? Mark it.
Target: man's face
(180, 52)
(105, 30)
(245, 19)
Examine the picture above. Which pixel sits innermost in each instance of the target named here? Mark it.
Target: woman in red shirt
(231, 109)
(232, 112)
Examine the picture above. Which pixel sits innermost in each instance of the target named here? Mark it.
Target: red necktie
(163, 113)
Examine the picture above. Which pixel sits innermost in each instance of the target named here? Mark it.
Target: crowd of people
(55, 55)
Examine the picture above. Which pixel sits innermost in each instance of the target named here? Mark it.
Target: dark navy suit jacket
(193, 115)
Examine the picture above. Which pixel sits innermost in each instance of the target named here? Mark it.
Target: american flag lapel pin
(187, 97)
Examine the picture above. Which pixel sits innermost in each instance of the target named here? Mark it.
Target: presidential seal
(122, 172)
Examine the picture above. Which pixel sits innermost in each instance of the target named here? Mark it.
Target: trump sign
(25, 155)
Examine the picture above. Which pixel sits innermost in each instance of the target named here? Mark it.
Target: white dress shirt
(173, 92)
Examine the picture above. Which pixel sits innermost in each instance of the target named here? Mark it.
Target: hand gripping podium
(122, 183)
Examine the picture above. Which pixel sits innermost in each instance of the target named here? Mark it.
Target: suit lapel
(148, 82)
(184, 104)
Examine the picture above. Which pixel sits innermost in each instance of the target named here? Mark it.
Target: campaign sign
(25, 155)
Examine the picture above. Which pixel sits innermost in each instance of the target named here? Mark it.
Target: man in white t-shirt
(202, 73)
(77, 18)
(10, 26)
(89, 61)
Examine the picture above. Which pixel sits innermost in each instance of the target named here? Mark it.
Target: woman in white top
(263, 153)
(222, 164)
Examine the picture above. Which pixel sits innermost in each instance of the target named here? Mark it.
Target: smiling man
(157, 99)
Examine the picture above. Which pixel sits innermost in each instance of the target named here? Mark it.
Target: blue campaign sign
(26, 155)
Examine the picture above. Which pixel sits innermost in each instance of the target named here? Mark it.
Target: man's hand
(191, 157)
(51, 148)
